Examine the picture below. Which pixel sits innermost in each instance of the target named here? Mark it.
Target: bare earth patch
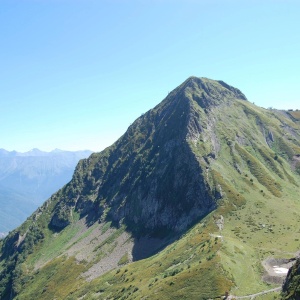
(276, 269)
(123, 244)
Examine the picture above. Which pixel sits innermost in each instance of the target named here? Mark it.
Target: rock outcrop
(291, 286)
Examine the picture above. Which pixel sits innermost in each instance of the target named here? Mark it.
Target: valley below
(30, 178)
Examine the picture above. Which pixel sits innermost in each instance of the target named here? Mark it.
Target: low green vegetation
(57, 279)
(123, 260)
(259, 172)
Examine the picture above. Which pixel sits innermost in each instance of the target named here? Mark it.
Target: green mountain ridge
(200, 189)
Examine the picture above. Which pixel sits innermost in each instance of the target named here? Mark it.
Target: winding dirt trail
(252, 296)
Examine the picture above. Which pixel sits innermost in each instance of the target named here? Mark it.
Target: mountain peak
(35, 150)
(210, 85)
(207, 92)
(56, 150)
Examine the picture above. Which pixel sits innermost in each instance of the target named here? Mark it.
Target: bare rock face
(59, 222)
(291, 286)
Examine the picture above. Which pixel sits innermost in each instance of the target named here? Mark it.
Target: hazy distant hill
(28, 179)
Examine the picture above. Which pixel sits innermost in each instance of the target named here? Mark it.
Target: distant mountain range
(28, 179)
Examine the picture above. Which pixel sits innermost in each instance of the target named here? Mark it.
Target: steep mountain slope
(28, 179)
(196, 194)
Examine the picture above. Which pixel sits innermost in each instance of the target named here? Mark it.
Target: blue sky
(74, 74)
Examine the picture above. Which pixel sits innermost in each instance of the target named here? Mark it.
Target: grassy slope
(174, 273)
(260, 207)
(264, 225)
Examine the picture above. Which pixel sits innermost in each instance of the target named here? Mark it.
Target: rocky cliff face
(291, 286)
